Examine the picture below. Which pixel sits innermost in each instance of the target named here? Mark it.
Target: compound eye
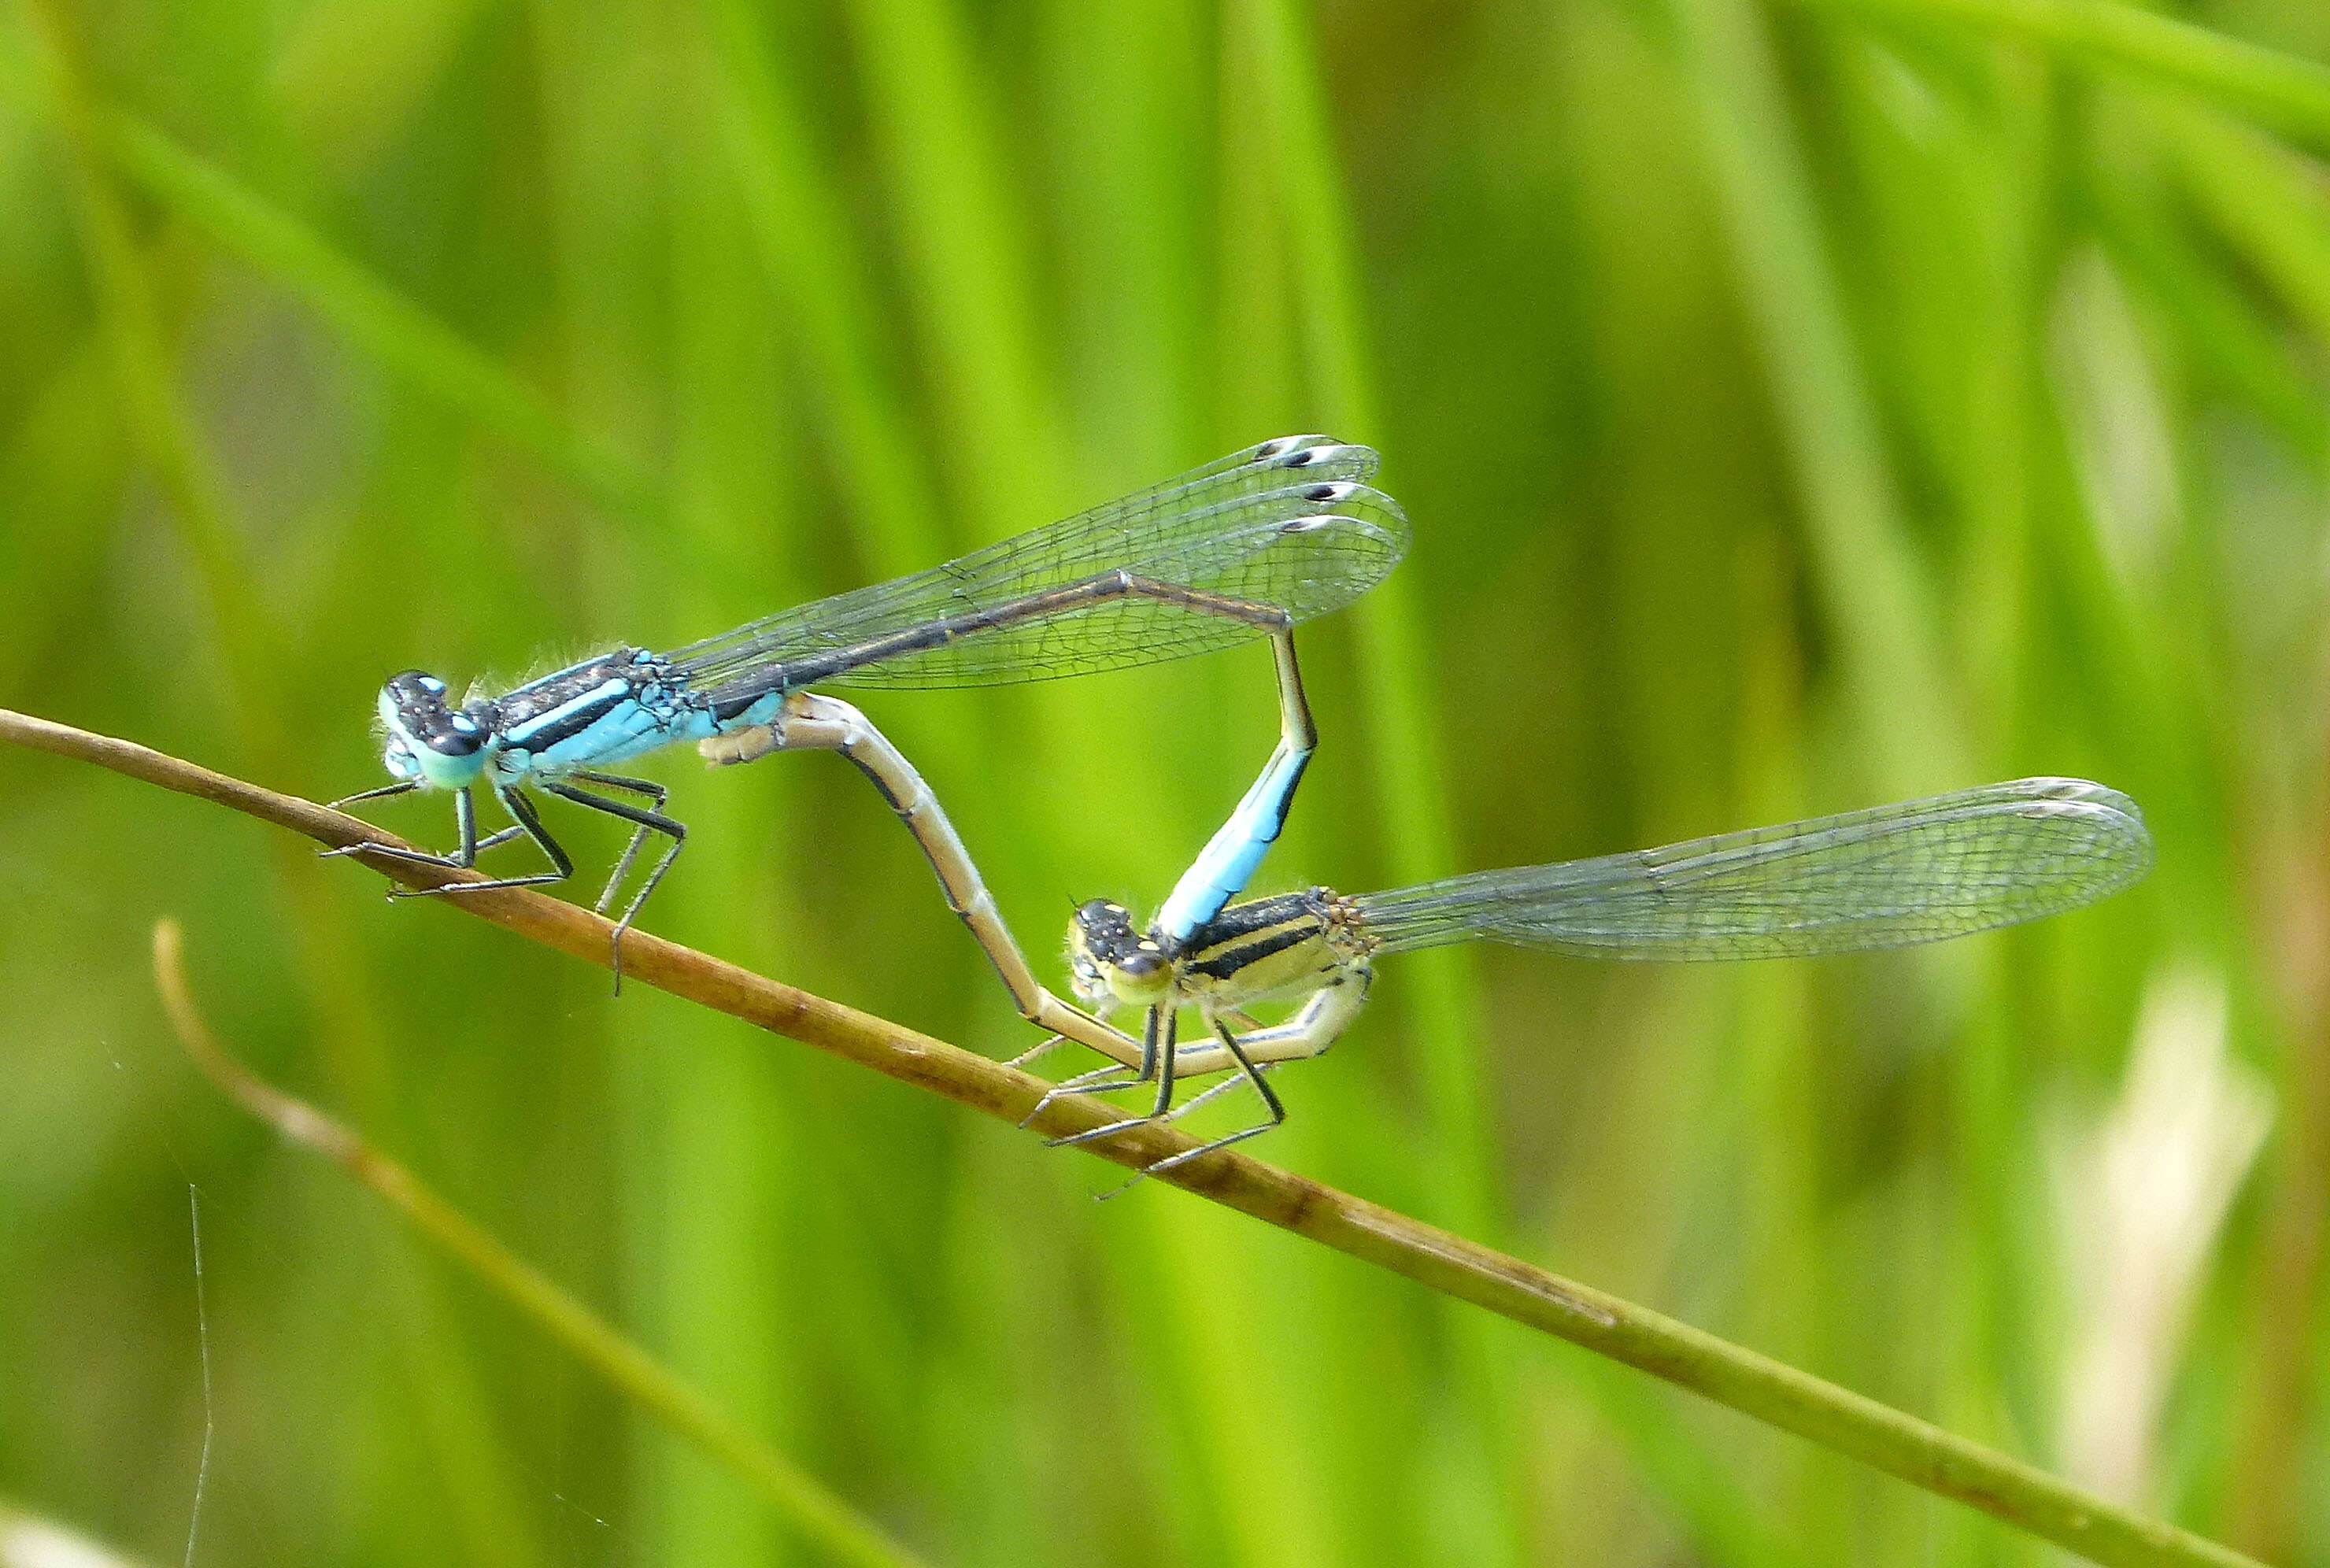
(1144, 962)
(456, 735)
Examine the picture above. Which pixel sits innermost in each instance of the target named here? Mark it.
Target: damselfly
(1888, 877)
(1245, 547)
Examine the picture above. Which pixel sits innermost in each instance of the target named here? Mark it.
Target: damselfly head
(428, 741)
(1111, 961)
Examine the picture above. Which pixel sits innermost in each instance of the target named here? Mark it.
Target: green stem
(1901, 1445)
(822, 1518)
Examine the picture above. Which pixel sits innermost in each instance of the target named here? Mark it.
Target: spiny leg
(1320, 1023)
(464, 818)
(1105, 1080)
(1037, 1052)
(646, 822)
(465, 824)
(402, 787)
(1157, 1056)
(464, 828)
(465, 812)
(656, 795)
(1044, 1048)
(1270, 1101)
(1206, 1097)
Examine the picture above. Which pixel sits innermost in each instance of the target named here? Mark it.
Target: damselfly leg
(465, 858)
(1251, 1073)
(644, 822)
(1157, 1039)
(402, 787)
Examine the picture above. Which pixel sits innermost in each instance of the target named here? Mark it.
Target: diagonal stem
(821, 1517)
(1861, 1428)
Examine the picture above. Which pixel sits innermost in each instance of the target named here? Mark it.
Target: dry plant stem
(1886, 1438)
(824, 1520)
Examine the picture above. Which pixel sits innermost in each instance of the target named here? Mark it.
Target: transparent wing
(1883, 878)
(1290, 525)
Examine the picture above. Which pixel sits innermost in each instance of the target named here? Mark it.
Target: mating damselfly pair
(1246, 547)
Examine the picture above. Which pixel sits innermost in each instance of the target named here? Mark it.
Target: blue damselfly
(1246, 547)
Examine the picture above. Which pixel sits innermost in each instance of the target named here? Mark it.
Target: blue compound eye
(458, 735)
(440, 745)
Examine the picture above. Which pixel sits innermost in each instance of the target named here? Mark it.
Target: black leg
(645, 822)
(1099, 1081)
(1163, 1030)
(465, 820)
(463, 858)
(656, 793)
(1148, 1049)
(466, 813)
(1199, 1101)
(1270, 1101)
(402, 787)
(656, 796)
(1156, 1048)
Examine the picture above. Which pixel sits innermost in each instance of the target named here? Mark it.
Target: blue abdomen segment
(1227, 863)
(764, 709)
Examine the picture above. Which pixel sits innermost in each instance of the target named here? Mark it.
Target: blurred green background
(1799, 409)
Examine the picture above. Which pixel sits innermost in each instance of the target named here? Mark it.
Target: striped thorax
(1291, 945)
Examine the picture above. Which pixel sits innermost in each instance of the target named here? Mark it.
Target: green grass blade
(961, 228)
(2266, 200)
(2282, 91)
(803, 240)
(403, 336)
(1871, 588)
